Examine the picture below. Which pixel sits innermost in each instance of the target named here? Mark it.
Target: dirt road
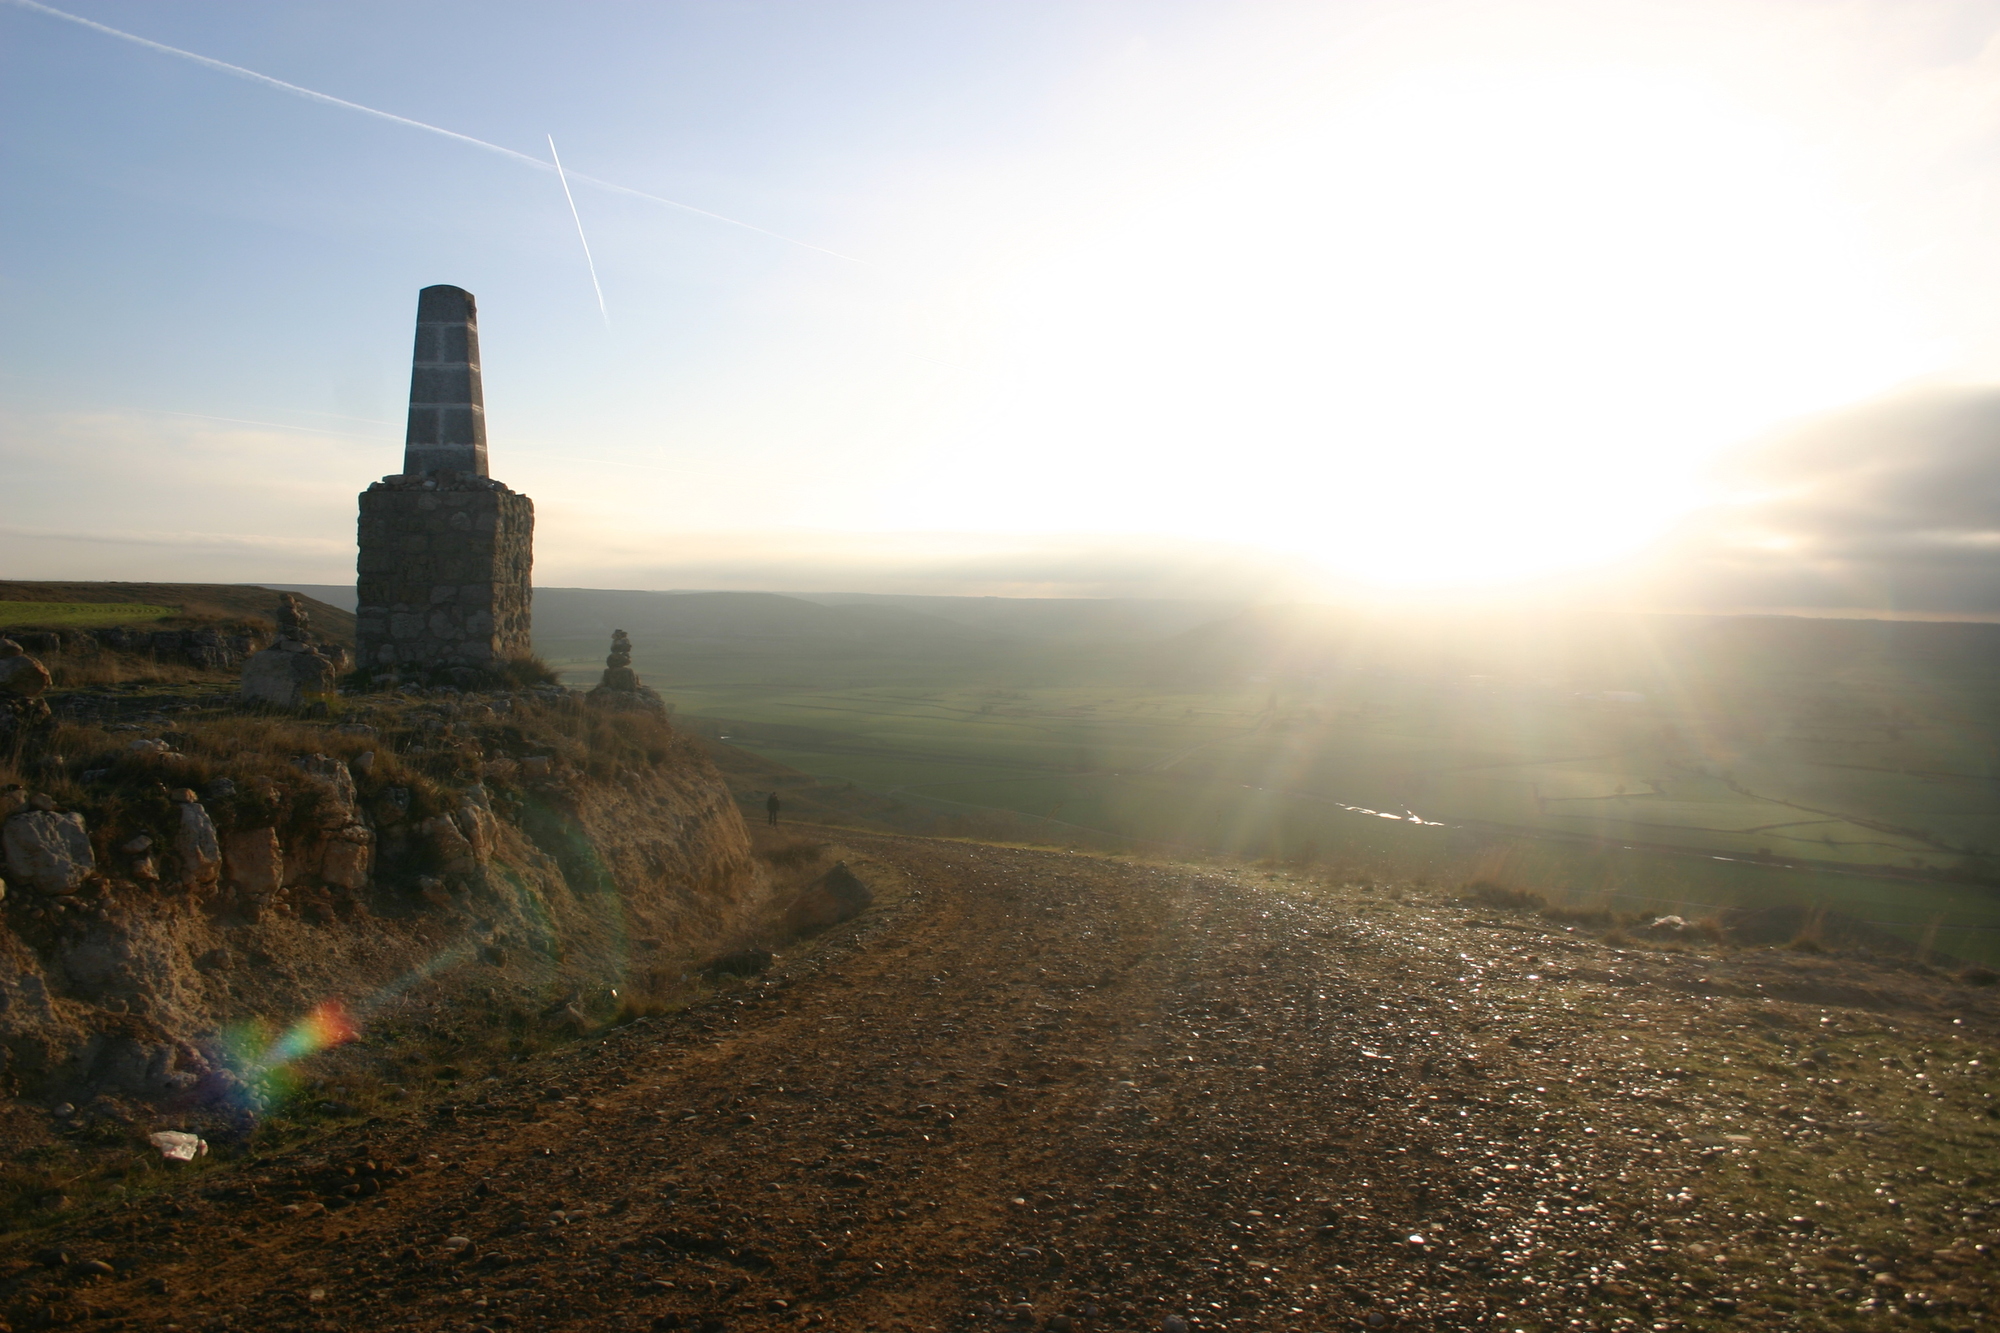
(1045, 1090)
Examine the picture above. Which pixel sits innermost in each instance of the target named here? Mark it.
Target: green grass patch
(80, 615)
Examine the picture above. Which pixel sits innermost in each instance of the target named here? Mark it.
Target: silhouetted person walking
(771, 808)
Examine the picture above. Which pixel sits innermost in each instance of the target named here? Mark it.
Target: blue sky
(1126, 297)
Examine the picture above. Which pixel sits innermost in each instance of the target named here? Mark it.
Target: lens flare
(325, 1027)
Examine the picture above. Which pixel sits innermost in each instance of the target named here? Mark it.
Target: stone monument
(445, 551)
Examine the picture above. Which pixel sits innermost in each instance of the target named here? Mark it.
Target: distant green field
(1788, 764)
(80, 615)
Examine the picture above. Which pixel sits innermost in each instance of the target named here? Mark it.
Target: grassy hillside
(40, 605)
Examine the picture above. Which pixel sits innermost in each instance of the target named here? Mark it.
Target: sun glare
(1474, 323)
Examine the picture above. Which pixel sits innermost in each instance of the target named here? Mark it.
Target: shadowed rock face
(20, 674)
(447, 430)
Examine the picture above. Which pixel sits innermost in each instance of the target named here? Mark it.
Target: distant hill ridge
(563, 614)
(1196, 639)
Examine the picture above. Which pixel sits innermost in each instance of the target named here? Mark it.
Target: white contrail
(330, 100)
(590, 263)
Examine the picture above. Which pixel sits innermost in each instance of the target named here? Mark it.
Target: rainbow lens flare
(327, 1026)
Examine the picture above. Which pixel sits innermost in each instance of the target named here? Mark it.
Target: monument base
(444, 574)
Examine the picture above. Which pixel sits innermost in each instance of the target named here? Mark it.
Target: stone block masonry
(445, 551)
(447, 425)
(444, 573)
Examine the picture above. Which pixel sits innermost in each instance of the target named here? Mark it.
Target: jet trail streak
(330, 100)
(589, 263)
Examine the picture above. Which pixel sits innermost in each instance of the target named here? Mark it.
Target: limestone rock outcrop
(48, 851)
(256, 861)
(22, 681)
(343, 855)
(195, 843)
(20, 675)
(113, 981)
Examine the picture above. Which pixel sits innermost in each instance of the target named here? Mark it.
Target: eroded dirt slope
(1056, 1091)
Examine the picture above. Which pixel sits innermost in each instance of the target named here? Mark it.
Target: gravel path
(1053, 1091)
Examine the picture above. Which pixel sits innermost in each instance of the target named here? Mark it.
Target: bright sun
(1474, 324)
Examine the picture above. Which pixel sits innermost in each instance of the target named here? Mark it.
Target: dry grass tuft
(1503, 896)
(1580, 916)
(789, 851)
(104, 671)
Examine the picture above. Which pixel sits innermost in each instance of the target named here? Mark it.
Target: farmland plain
(1671, 764)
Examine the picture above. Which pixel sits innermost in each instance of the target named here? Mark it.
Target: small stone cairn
(294, 670)
(620, 688)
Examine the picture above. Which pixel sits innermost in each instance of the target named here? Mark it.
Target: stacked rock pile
(618, 673)
(295, 670)
(620, 686)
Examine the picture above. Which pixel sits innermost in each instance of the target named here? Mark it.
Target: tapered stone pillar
(447, 431)
(445, 551)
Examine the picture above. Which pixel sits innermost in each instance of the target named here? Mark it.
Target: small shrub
(524, 673)
(1504, 897)
(103, 671)
(1578, 916)
(794, 853)
(741, 963)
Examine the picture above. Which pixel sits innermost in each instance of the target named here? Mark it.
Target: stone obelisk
(447, 431)
(445, 551)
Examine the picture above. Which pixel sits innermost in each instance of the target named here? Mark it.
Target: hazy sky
(1695, 301)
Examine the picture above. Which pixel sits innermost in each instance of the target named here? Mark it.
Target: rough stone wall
(444, 572)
